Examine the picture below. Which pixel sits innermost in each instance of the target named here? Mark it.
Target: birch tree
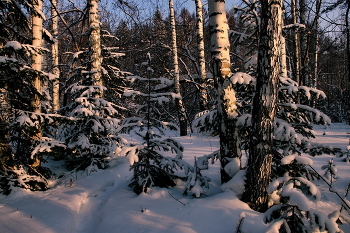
(179, 104)
(54, 57)
(315, 45)
(37, 34)
(95, 43)
(305, 69)
(201, 55)
(226, 100)
(264, 105)
(296, 48)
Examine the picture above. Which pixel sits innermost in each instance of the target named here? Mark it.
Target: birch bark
(264, 105)
(179, 104)
(201, 54)
(316, 33)
(305, 69)
(54, 58)
(226, 96)
(37, 34)
(296, 41)
(95, 44)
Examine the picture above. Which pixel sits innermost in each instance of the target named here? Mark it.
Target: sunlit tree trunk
(264, 105)
(305, 68)
(284, 70)
(226, 96)
(314, 62)
(201, 55)
(179, 104)
(54, 57)
(296, 48)
(95, 44)
(37, 32)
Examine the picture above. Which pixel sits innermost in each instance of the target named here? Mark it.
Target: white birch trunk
(315, 45)
(37, 35)
(315, 61)
(284, 70)
(226, 101)
(201, 54)
(180, 106)
(95, 43)
(296, 41)
(305, 69)
(54, 57)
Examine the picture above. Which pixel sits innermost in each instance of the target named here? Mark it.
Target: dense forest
(76, 77)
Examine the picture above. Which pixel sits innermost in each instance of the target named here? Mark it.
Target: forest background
(78, 76)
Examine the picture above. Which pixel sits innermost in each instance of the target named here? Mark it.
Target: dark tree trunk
(264, 106)
(348, 37)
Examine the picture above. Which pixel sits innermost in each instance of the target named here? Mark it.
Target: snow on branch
(295, 25)
(283, 131)
(46, 144)
(242, 78)
(295, 157)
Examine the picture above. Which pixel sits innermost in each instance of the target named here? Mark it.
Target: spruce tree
(150, 165)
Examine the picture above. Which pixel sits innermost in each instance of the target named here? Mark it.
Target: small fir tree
(148, 161)
(24, 126)
(330, 171)
(289, 198)
(91, 135)
(196, 182)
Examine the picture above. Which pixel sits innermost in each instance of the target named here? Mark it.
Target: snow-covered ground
(103, 202)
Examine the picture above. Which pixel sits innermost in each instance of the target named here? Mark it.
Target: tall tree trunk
(4, 121)
(226, 96)
(5, 152)
(264, 106)
(54, 58)
(347, 28)
(284, 70)
(296, 41)
(95, 44)
(201, 55)
(314, 63)
(347, 25)
(179, 104)
(305, 69)
(37, 35)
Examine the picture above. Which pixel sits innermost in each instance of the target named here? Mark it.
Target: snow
(300, 159)
(230, 102)
(275, 226)
(14, 44)
(102, 201)
(5, 59)
(241, 78)
(296, 197)
(233, 167)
